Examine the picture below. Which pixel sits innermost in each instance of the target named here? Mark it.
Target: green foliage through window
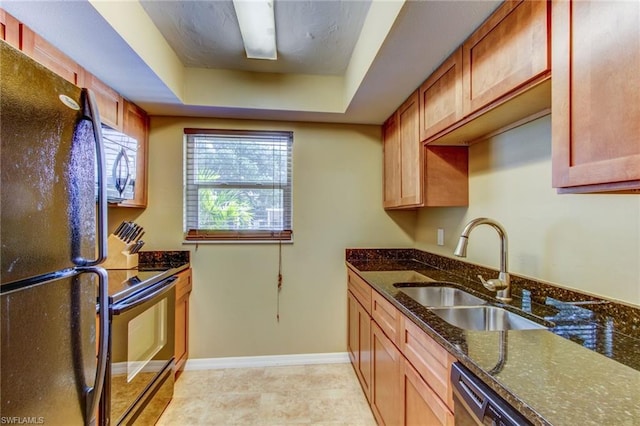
(238, 181)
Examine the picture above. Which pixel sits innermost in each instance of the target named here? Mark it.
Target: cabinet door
(364, 352)
(411, 158)
(49, 56)
(136, 125)
(509, 49)
(386, 397)
(183, 290)
(430, 359)
(391, 152)
(359, 342)
(421, 406)
(403, 157)
(596, 95)
(9, 29)
(441, 97)
(109, 102)
(353, 330)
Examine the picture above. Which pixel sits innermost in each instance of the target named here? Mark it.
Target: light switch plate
(440, 236)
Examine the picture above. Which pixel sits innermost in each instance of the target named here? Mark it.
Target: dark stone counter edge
(163, 259)
(467, 271)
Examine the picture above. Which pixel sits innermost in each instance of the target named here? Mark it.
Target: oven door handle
(134, 302)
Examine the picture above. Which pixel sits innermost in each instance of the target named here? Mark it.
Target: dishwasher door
(477, 404)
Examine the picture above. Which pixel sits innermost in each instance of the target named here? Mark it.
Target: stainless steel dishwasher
(477, 404)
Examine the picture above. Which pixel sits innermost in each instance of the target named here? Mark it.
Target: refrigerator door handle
(93, 393)
(101, 232)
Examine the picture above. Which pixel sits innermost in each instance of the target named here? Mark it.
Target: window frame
(236, 235)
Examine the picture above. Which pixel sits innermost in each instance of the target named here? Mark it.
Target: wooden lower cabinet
(359, 343)
(421, 406)
(386, 397)
(386, 316)
(183, 290)
(404, 373)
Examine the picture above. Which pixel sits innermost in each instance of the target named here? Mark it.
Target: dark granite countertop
(585, 369)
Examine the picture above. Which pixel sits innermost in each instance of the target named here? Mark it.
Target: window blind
(237, 185)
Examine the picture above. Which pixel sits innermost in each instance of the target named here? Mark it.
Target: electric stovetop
(124, 283)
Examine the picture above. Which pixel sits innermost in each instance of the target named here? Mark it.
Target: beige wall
(337, 204)
(587, 242)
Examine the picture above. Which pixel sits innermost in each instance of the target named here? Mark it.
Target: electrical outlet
(440, 236)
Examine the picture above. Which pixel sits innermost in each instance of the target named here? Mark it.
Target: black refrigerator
(54, 317)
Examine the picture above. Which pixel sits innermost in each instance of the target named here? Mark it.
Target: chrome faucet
(502, 284)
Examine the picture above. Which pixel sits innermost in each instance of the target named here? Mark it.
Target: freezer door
(48, 215)
(48, 351)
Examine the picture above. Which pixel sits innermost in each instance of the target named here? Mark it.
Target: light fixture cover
(258, 28)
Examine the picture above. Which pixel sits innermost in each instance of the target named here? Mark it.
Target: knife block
(118, 256)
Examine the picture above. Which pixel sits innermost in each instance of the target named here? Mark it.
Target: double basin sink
(464, 310)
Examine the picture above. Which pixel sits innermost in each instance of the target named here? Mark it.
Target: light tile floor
(327, 394)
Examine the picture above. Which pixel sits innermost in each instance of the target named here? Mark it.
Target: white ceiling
(315, 37)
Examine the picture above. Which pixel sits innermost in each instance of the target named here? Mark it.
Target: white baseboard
(266, 361)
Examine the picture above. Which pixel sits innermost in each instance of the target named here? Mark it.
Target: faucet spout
(502, 285)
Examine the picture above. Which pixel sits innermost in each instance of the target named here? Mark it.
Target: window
(237, 185)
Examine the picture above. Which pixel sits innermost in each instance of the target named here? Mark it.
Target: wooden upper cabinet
(446, 176)
(403, 170)
(9, 29)
(411, 169)
(506, 77)
(136, 125)
(391, 167)
(596, 96)
(415, 176)
(441, 97)
(44, 52)
(110, 103)
(508, 50)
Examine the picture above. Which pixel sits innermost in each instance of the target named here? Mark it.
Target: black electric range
(124, 283)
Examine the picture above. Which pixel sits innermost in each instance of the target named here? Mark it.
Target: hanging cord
(273, 189)
(279, 276)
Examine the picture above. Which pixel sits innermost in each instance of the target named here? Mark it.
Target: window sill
(207, 242)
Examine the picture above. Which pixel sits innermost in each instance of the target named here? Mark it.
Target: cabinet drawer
(431, 360)
(360, 289)
(386, 316)
(183, 284)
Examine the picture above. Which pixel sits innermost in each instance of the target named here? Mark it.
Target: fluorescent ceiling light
(258, 28)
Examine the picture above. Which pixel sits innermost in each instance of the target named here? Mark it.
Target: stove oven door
(142, 353)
